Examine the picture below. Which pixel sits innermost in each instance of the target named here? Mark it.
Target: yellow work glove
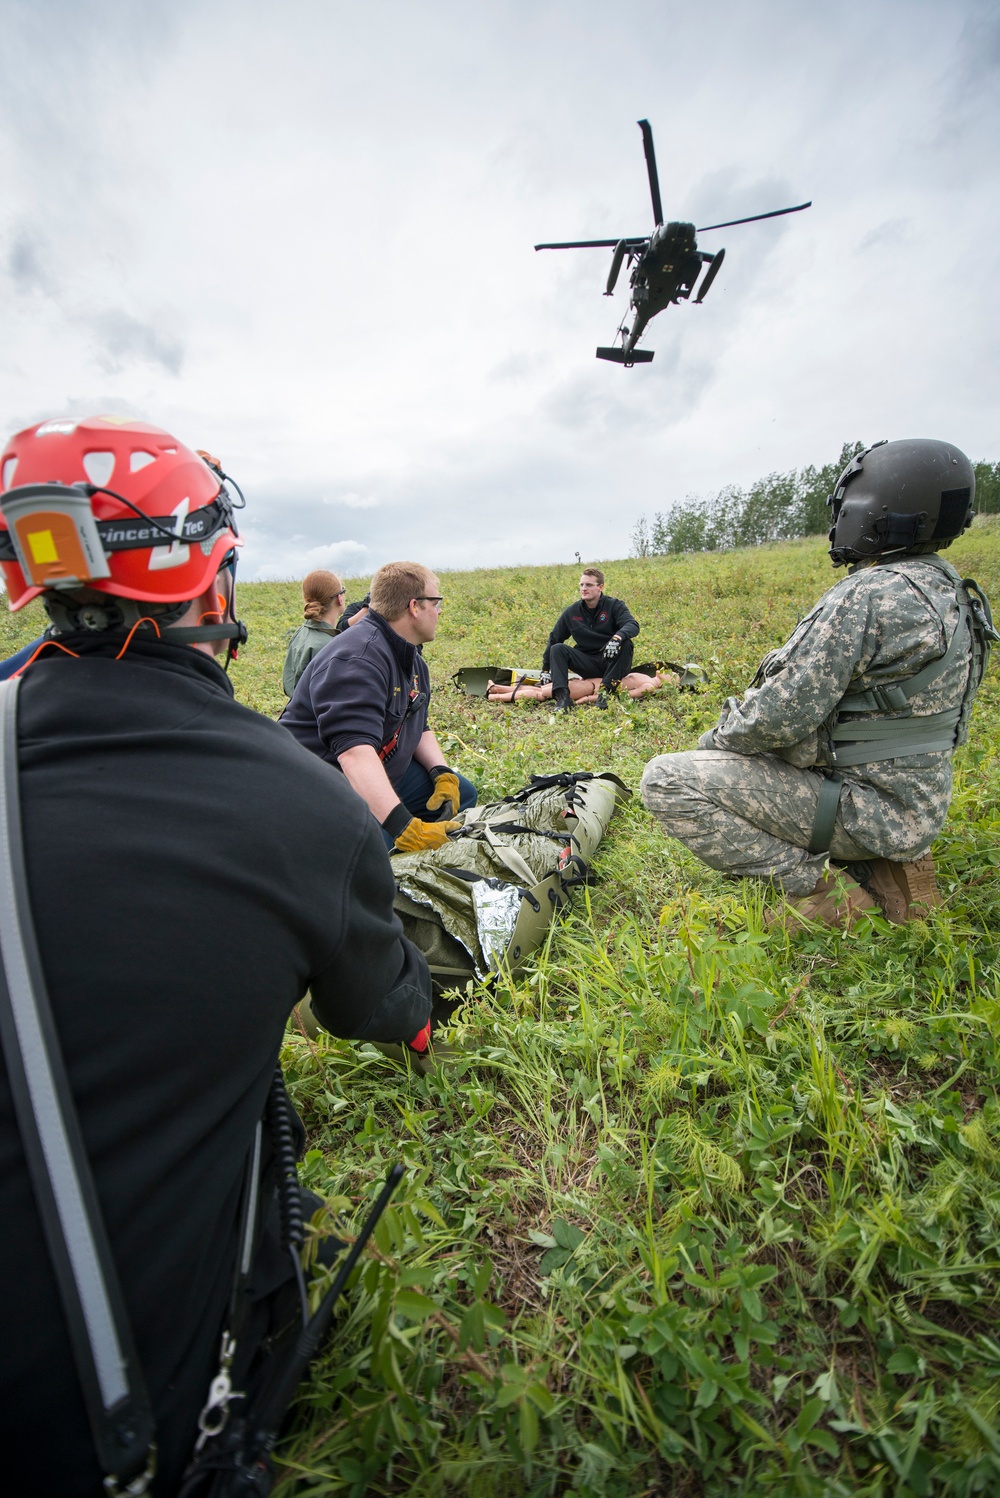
(417, 836)
(445, 789)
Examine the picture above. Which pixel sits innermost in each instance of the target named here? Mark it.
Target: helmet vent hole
(140, 460)
(9, 468)
(99, 467)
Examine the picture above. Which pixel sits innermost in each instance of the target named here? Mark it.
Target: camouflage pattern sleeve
(799, 685)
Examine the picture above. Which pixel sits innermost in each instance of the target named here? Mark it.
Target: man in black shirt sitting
(603, 630)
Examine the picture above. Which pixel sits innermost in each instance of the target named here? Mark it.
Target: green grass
(700, 1208)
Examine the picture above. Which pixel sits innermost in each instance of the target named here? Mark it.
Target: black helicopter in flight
(667, 263)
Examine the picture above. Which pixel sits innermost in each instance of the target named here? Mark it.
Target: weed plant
(698, 1208)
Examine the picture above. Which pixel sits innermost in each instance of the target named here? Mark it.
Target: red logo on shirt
(602, 616)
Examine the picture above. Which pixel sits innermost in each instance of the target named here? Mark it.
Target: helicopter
(667, 263)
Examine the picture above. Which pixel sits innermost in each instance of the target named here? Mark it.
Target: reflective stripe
(250, 1222)
(109, 1362)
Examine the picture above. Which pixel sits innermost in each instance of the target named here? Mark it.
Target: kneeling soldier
(840, 749)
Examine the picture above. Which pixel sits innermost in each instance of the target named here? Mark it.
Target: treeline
(778, 507)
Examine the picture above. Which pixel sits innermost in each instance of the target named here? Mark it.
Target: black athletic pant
(566, 658)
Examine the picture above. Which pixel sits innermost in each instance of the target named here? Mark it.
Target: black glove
(612, 648)
(545, 678)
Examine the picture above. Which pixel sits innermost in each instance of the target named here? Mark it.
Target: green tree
(814, 485)
(641, 540)
(777, 507)
(988, 488)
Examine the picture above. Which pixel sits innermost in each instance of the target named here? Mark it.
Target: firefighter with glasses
(362, 705)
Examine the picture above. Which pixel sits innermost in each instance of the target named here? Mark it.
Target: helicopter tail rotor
(654, 180)
(714, 267)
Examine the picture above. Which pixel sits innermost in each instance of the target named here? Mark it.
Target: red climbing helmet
(111, 504)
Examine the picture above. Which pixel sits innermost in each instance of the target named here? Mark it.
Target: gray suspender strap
(118, 1407)
(826, 814)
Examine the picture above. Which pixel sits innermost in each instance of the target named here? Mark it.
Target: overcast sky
(301, 235)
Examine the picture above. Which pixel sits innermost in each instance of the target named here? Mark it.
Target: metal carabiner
(215, 1413)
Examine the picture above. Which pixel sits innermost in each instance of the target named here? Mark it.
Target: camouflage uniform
(745, 800)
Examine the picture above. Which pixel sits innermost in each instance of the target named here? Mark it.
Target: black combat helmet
(910, 496)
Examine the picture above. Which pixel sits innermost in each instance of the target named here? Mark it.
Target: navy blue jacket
(368, 686)
(592, 628)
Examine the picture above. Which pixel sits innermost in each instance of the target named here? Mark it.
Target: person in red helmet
(179, 918)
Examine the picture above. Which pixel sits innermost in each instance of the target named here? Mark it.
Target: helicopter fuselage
(667, 269)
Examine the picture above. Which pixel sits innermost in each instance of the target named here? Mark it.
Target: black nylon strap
(118, 1408)
(132, 534)
(826, 814)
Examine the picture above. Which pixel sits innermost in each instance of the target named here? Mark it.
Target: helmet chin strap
(113, 615)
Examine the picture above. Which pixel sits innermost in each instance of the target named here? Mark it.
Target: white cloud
(323, 269)
(353, 501)
(347, 558)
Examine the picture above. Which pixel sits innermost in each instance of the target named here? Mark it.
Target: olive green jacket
(307, 641)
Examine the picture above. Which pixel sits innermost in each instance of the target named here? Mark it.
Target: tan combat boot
(837, 900)
(905, 891)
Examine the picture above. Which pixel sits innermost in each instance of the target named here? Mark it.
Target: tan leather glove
(445, 789)
(417, 836)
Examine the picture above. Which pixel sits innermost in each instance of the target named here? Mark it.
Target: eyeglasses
(427, 599)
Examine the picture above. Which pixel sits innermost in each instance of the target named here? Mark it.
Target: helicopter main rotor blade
(593, 244)
(755, 218)
(654, 181)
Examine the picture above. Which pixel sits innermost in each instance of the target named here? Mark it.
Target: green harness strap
(858, 743)
(895, 738)
(826, 814)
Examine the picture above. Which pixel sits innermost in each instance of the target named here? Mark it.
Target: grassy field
(700, 1209)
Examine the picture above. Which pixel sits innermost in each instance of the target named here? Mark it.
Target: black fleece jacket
(592, 628)
(368, 686)
(192, 872)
